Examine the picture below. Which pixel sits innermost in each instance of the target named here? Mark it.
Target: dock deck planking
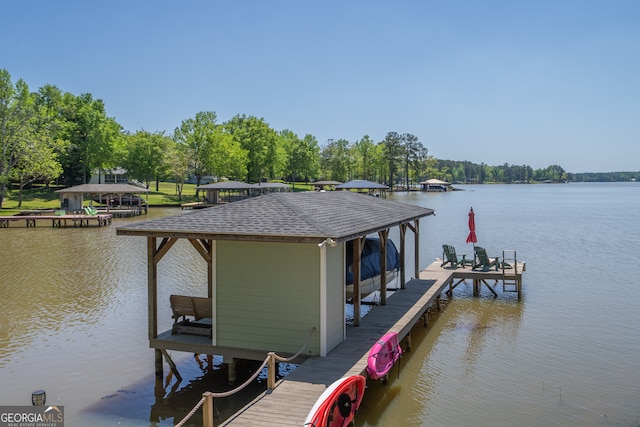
(57, 221)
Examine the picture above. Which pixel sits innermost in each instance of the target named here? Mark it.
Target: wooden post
(271, 371)
(172, 365)
(159, 369)
(403, 233)
(416, 232)
(232, 374)
(207, 409)
(384, 235)
(357, 251)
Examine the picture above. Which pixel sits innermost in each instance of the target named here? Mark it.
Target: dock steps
(509, 271)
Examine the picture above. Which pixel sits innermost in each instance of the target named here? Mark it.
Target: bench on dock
(196, 314)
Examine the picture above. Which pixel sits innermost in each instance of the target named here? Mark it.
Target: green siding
(268, 296)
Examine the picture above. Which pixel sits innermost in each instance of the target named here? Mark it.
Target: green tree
(335, 160)
(364, 153)
(412, 148)
(92, 137)
(195, 135)
(260, 141)
(227, 157)
(393, 153)
(144, 156)
(301, 156)
(17, 110)
(177, 165)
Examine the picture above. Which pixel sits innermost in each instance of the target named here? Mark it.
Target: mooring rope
(193, 411)
(247, 382)
(289, 359)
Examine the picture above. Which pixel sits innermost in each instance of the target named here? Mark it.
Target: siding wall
(268, 296)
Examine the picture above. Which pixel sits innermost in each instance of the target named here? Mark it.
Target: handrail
(270, 360)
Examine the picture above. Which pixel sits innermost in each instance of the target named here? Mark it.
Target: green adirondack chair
(449, 256)
(483, 262)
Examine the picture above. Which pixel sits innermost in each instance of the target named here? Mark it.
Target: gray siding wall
(268, 296)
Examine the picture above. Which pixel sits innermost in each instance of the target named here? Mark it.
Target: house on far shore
(435, 185)
(109, 176)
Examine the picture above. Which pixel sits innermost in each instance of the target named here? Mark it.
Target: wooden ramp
(292, 398)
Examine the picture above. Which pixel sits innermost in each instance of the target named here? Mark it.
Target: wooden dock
(292, 398)
(57, 221)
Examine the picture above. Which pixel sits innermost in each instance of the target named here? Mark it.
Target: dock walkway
(293, 396)
(306, 383)
(57, 220)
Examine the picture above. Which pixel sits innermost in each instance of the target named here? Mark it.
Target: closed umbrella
(472, 238)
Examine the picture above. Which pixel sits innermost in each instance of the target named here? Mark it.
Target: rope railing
(270, 361)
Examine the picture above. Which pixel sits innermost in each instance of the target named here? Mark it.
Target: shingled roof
(291, 217)
(104, 189)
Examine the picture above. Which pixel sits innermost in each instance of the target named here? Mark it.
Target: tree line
(52, 136)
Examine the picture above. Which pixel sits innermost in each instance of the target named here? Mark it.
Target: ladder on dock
(509, 271)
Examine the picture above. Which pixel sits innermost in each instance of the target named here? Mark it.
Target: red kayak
(338, 404)
(383, 355)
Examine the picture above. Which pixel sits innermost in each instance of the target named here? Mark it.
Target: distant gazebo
(365, 186)
(270, 187)
(435, 185)
(235, 190)
(320, 185)
(72, 198)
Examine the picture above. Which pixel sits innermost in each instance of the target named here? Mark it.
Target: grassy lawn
(40, 197)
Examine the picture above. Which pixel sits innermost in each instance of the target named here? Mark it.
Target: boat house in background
(118, 196)
(364, 186)
(276, 269)
(435, 185)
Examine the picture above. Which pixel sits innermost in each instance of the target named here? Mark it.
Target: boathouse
(111, 195)
(435, 185)
(276, 269)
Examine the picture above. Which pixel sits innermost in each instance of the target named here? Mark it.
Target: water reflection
(468, 333)
(171, 400)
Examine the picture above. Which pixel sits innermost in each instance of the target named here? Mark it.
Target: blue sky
(521, 82)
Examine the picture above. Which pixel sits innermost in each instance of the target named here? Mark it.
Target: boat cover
(370, 259)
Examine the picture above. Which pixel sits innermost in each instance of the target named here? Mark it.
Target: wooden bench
(196, 314)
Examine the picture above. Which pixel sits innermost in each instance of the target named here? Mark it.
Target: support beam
(232, 373)
(403, 233)
(152, 288)
(384, 236)
(357, 252)
(416, 231)
(158, 364)
(171, 364)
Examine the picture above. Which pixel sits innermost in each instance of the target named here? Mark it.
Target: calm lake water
(73, 319)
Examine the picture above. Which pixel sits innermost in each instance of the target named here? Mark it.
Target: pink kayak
(383, 355)
(338, 404)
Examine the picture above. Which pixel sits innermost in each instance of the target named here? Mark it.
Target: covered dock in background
(117, 199)
(364, 186)
(435, 185)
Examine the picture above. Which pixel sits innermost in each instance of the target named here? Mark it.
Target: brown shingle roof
(293, 217)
